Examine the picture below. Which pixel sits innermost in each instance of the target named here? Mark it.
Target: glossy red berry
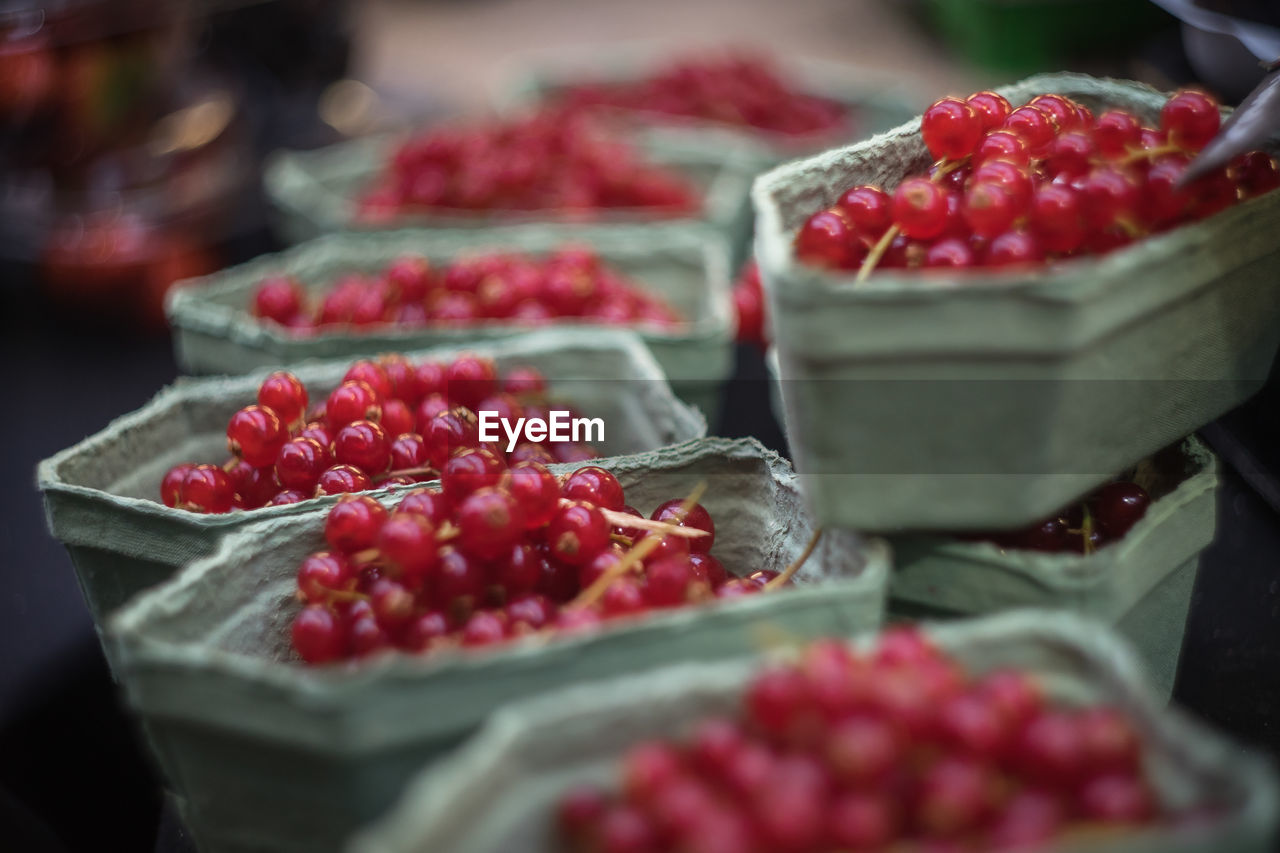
(317, 635)
(697, 518)
(1190, 119)
(535, 490)
(951, 129)
(469, 379)
(207, 489)
(300, 463)
(950, 253)
(989, 209)
(1056, 218)
(489, 523)
(342, 479)
(1014, 249)
(920, 208)
(1034, 125)
(1117, 507)
(867, 209)
(667, 582)
(595, 485)
(991, 108)
(460, 581)
(351, 401)
(363, 445)
(353, 522)
(469, 470)
(253, 486)
(256, 434)
(171, 484)
(407, 540)
(278, 298)
(284, 394)
(577, 533)
(1115, 133)
(1003, 145)
(826, 240)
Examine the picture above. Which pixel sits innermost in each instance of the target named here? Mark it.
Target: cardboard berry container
(101, 496)
(315, 192)
(987, 400)
(1140, 585)
(499, 792)
(874, 101)
(215, 333)
(267, 753)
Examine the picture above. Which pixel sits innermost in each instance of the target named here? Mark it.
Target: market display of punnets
(993, 332)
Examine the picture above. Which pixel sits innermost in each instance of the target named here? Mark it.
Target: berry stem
(406, 472)
(1136, 154)
(636, 554)
(876, 254)
(790, 570)
(622, 519)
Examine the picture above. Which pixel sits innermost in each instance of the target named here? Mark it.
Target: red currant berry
(363, 445)
(469, 470)
(1063, 111)
(1056, 218)
(826, 240)
(321, 574)
(342, 479)
(426, 631)
(407, 540)
(392, 604)
(449, 433)
(1116, 132)
(535, 490)
(484, 628)
(459, 580)
(868, 209)
(991, 108)
(489, 523)
(989, 209)
(285, 395)
(351, 401)
(410, 278)
(595, 485)
(1117, 507)
(352, 524)
(1108, 195)
(319, 433)
(431, 504)
(207, 489)
(317, 635)
(469, 379)
(951, 129)
(667, 582)
(697, 518)
(1190, 119)
(1070, 155)
(1003, 145)
(530, 613)
(950, 253)
(171, 485)
(707, 569)
(577, 533)
(256, 434)
(300, 463)
(1119, 799)
(920, 208)
(623, 597)
(955, 797)
(253, 486)
(1014, 249)
(1255, 173)
(288, 496)
(861, 821)
(278, 298)
(1035, 126)
(396, 420)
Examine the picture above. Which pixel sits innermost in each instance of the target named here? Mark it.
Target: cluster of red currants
(749, 306)
(551, 162)
(1045, 181)
(739, 89)
(496, 554)
(895, 749)
(1103, 517)
(497, 287)
(390, 422)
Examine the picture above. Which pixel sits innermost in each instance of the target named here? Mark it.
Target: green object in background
(266, 753)
(1023, 36)
(215, 333)
(1141, 585)
(102, 495)
(987, 399)
(498, 794)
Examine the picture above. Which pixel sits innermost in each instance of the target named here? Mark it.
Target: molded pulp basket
(102, 495)
(214, 332)
(1141, 585)
(269, 753)
(315, 193)
(876, 102)
(988, 400)
(498, 794)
